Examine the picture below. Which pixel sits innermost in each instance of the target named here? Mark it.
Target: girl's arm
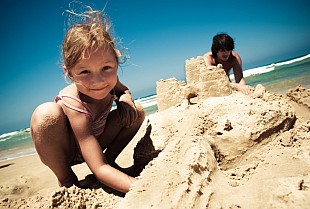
(93, 154)
(94, 157)
(125, 104)
(120, 88)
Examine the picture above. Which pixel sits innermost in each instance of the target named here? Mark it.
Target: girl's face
(95, 75)
(223, 55)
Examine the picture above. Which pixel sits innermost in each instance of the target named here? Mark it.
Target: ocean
(282, 76)
(276, 77)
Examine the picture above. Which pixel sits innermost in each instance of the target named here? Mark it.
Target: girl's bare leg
(51, 137)
(116, 137)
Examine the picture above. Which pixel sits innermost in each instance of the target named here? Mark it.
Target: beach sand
(206, 151)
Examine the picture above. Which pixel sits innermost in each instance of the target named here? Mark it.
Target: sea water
(276, 77)
(282, 76)
(16, 144)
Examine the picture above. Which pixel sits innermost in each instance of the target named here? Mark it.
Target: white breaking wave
(6, 136)
(268, 68)
(3, 137)
(148, 101)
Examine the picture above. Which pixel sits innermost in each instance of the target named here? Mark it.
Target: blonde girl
(80, 126)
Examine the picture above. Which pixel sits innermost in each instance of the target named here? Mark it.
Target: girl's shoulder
(70, 100)
(70, 90)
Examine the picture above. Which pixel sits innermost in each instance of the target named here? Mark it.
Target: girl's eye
(84, 72)
(106, 68)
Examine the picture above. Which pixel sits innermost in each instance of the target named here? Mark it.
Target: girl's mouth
(98, 89)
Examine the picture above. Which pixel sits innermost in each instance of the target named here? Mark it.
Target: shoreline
(13, 158)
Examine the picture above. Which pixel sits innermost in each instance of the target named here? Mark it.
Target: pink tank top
(98, 122)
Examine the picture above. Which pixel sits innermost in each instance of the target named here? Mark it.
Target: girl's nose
(97, 78)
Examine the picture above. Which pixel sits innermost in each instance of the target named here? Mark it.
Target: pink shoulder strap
(105, 111)
(85, 111)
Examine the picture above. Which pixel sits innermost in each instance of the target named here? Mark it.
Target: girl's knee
(47, 117)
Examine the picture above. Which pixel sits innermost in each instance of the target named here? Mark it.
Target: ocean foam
(270, 67)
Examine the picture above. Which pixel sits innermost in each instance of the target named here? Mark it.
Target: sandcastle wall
(201, 82)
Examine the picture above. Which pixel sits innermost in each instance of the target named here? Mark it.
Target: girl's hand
(127, 109)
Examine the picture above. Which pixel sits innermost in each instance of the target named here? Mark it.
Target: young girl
(79, 125)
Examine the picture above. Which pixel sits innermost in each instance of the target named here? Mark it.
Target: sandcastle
(202, 82)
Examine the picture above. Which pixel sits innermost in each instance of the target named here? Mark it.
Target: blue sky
(160, 36)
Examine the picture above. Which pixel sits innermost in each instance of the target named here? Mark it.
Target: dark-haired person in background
(222, 53)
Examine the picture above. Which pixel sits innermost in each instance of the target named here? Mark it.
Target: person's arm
(125, 104)
(237, 68)
(242, 81)
(240, 84)
(208, 59)
(93, 154)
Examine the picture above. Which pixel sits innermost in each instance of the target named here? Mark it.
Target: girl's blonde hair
(93, 33)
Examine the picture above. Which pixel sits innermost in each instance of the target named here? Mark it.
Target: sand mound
(220, 147)
(300, 95)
